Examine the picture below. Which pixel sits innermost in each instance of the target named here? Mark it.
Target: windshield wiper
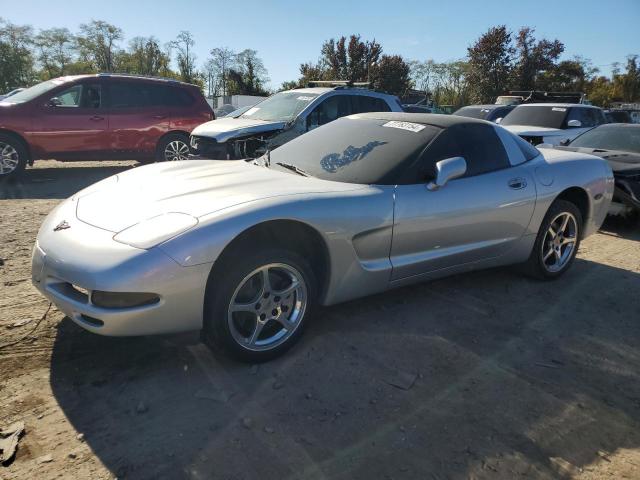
(293, 168)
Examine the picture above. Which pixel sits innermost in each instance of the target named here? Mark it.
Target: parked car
(552, 123)
(619, 144)
(12, 92)
(99, 117)
(245, 250)
(489, 112)
(416, 108)
(281, 118)
(617, 116)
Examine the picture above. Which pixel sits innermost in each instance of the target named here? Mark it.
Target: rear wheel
(13, 156)
(173, 147)
(557, 241)
(258, 309)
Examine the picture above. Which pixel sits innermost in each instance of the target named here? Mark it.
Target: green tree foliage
(358, 61)
(231, 73)
(55, 51)
(186, 59)
(490, 64)
(145, 56)
(16, 58)
(97, 45)
(532, 58)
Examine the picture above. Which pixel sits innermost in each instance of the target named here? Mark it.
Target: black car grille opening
(208, 148)
(533, 140)
(94, 322)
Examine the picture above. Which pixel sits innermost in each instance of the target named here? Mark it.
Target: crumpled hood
(226, 128)
(194, 187)
(620, 161)
(532, 131)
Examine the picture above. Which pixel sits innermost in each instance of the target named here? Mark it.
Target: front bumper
(67, 265)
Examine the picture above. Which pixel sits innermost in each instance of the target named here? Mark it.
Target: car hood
(226, 128)
(194, 188)
(620, 161)
(533, 131)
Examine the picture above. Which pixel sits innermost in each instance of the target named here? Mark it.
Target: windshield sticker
(304, 99)
(251, 111)
(412, 127)
(559, 109)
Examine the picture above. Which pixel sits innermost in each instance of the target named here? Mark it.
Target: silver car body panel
(377, 237)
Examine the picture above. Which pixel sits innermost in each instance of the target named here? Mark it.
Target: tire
(13, 156)
(172, 147)
(553, 255)
(267, 321)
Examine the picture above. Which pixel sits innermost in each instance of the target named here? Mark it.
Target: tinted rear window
(351, 150)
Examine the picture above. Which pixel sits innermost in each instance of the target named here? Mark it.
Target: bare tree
(97, 44)
(186, 59)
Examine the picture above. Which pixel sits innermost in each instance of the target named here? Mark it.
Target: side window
(92, 96)
(129, 94)
(178, 97)
(82, 95)
(445, 145)
(588, 117)
(329, 110)
(481, 148)
(363, 103)
(70, 97)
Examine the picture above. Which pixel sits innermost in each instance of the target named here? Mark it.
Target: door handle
(96, 118)
(159, 117)
(517, 183)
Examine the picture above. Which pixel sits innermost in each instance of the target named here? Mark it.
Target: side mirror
(54, 102)
(498, 120)
(446, 170)
(565, 141)
(574, 124)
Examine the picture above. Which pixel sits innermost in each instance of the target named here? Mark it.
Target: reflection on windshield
(610, 138)
(334, 161)
(33, 92)
(281, 107)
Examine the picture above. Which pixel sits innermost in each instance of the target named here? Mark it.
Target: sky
(287, 33)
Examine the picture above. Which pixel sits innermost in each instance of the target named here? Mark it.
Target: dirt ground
(487, 375)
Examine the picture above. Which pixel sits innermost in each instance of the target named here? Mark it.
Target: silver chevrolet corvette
(244, 250)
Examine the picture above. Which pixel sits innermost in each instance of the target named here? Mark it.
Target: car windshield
(473, 112)
(355, 150)
(33, 92)
(546, 116)
(624, 138)
(281, 107)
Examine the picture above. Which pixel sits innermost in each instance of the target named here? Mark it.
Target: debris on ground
(401, 380)
(9, 438)
(48, 458)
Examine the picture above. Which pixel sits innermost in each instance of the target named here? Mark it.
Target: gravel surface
(487, 375)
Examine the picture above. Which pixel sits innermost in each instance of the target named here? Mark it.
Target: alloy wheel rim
(9, 158)
(176, 150)
(267, 307)
(559, 242)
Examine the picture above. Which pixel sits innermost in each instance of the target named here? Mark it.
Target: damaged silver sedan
(244, 251)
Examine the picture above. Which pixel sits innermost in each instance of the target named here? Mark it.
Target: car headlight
(155, 230)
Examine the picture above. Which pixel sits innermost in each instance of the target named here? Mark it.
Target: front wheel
(258, 309)
(173, 147)
(557, 242)
(13, 157)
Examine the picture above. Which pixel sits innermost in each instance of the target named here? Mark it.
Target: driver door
(72, 122)
(472, 218)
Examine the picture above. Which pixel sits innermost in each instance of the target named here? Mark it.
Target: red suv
(105, 116)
